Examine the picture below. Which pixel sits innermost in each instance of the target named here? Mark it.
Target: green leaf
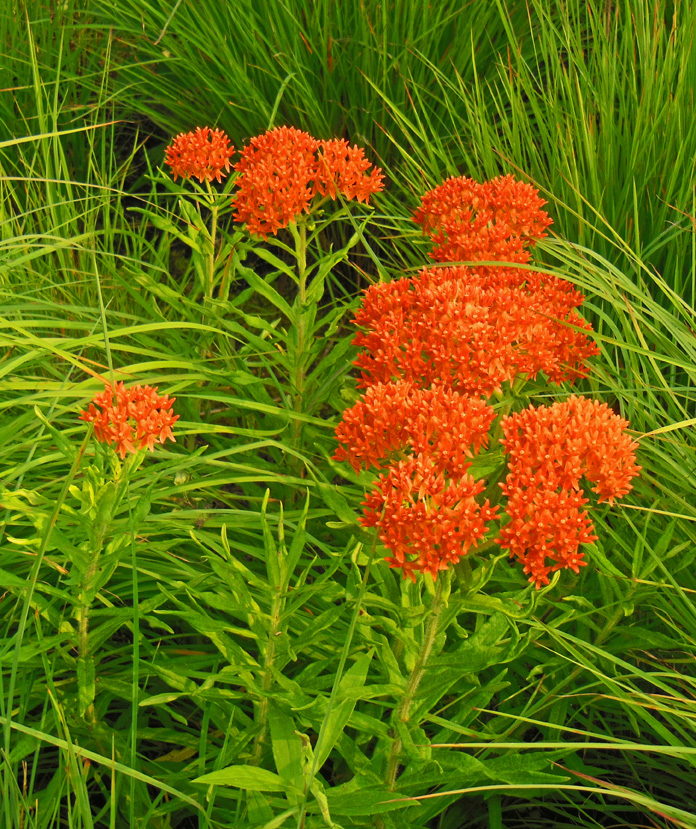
(142, 508)
(287, 746)
(336, 719)
(268, 292)
(250, 778)
(168, 226)
(336, 501)
(85, 682)
(270, 548)
(365, 801)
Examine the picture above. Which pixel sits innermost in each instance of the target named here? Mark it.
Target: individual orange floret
(283, 170)
(427, 521)
(204, 153)
(132, 416)
(499, 220)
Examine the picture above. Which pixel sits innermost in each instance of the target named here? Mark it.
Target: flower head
(276, 182)
(470, 331)
(343, 169)
(427, 521)
(283, 170)
(545, 530)
(498, 220)
(132, 416)
(550, 449)
(204, 153)
(574, 438)
(396, 418)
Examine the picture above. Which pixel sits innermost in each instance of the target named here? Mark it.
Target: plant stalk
(299, 357)
(403, 709)
(260, 739)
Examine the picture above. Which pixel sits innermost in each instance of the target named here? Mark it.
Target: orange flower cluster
(498, 220)
(471, 331)
(132, 416)
(432, 346)
(420, 513)
(204, 153)
(550, 448)
(397, 418)
(283, 170)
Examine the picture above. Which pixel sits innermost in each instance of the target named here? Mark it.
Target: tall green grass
(575, 709)
(592, 101)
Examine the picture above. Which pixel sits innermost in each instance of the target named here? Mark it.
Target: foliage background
(593, 102)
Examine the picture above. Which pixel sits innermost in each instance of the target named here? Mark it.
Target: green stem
(299, 361)
(84, 609)
(259, 740)
(210, 264)
(495, 812)
(403, 710)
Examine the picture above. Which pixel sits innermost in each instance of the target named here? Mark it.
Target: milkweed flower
(204, 153)
(471, 332)
(427, 521)
(545, 530)
(574, 438)
(283, 170)
(343, 169)
(396, 418)
(500, 219)
(550, 449)
(133, 419)
(276, 182)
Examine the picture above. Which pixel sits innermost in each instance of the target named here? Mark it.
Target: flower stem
(403, 710)
(299, 361)
(260, 739)
(210, 264)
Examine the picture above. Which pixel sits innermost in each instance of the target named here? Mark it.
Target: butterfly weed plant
(416, 507)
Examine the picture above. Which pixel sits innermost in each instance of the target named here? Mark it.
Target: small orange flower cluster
(549, 449)
(283, 170)
(433, 346)
(420, 512)
(280, 172)
(204, 153)
(138, 416)
(498, 220)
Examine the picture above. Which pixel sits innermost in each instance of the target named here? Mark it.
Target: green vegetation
(247, 652)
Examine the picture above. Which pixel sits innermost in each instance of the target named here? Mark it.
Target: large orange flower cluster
(133, 419)
(204, 153)
(459, 328)
(433, 346)
(549, 449)
(394, 418)
(283, 170)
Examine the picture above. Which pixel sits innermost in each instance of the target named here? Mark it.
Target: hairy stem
(299, 362)
(403, 710)
(260, 739)
(210, 264)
